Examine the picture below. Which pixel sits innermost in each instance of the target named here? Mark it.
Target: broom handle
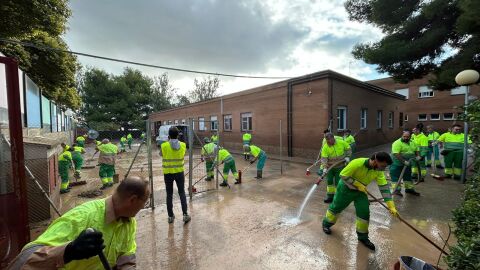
(329, 168)
(410, 225)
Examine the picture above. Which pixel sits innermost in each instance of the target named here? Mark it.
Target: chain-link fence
(196, 167)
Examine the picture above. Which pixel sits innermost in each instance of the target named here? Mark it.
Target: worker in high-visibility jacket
(74, 240)
(77, 158)
(225, 158)
(214, 138)
(259, 155)
(106, 159)
(404, 152)
(333, 151)
(208, 155)
(325, 132)
(81, 140)
(433, 149)
(246, 139)
(356, 176)
(173, 153)
(453, 143)
(142, 136)
(348, 138)
(64, 165)
(129, 140)
(123, 141)
(422, 142)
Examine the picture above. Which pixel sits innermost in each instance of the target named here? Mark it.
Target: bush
(466, 254)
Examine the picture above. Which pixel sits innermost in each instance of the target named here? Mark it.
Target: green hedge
(466, 254)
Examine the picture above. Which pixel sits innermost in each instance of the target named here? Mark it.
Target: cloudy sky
(248, 37)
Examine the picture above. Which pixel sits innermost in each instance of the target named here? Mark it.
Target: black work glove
(86, 245)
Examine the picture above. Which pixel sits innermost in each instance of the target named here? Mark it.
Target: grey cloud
(332, 44)
(224, 36)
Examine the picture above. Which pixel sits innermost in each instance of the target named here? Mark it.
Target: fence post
(17, 151)
(190, 157)
(150, 168)
(281, 152)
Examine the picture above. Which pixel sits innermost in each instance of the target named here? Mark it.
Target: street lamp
(466, 78)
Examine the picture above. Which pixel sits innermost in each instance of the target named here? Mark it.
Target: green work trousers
(395, 171)
(342, 200)
(63, 168)
(422, 166)
(106, 173)
(209, 167)
(229, 166)
(129, 142)
(454, 159)
(77, 161)
(333, 178)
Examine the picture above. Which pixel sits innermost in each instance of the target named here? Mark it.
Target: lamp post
(466, 78)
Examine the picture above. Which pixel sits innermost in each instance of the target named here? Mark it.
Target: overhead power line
(43, 47)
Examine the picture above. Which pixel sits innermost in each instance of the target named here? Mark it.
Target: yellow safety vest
(173, 160)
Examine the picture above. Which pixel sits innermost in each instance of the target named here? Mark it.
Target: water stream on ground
(305, 201)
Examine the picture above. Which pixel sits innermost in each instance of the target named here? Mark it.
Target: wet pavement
(253, 226)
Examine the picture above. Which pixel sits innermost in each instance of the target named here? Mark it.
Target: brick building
(423, 105)
(305, 105)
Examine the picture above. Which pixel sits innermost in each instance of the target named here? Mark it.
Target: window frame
(247, 115)
(425, 87)
(227, 118)
(214, 123)
(435, 119)
(363, 118)
(345, 122)
(426, 117)
(379, 122)
(201, 124)
(448, 119)
(391, 119)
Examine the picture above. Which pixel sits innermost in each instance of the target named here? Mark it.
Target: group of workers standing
(71, 157)
(411, 155)
(103, 231)
(215, 155)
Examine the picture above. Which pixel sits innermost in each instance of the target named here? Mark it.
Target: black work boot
(259, 175)
(328, 200)
(237, 182)
(223, 184)
(367, 243)
(412, 191)
(327, 230)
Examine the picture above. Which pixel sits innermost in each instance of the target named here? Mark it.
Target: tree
(43, 23)
(182, 100)
(205, 89)
(115, 101)
(438, 37)
(162, 93)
